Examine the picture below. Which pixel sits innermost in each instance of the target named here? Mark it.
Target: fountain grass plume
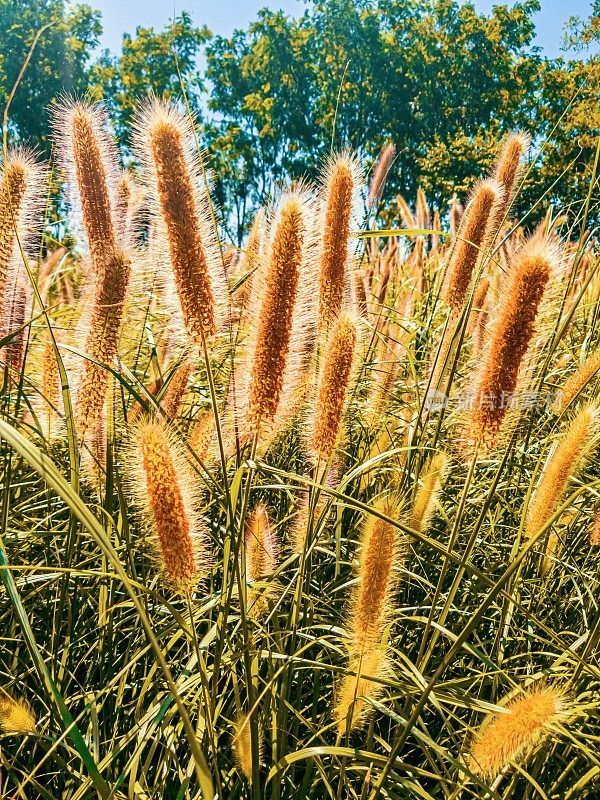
(511, 335)
(16, 717)
(333, 384)
(511, 734)
(571, 453)
(426, 497)
(474, 237)
(165, 143)
(22, 196)
(164, 487)
(380, 174)
(270, 379)
(341, 184)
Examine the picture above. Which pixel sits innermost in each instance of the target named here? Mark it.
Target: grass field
(318, 518)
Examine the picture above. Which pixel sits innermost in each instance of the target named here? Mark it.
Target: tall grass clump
(243, 552)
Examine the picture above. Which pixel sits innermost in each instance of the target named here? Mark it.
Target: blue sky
(222, 16)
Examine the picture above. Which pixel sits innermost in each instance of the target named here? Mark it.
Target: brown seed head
(474, 237)
(380, 173)
(276, 313)
(162, 483)
(333, 386)
(340, 182)
(510, 337)
(173, 175)
(509, 169)
(351, 709)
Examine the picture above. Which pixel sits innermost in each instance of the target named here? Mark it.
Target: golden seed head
(473, 238)
(163, 485)
(510, 337)
(261, 545)
(572, 451)
(276, 314)
(577, 383)
(378, 555)
(242, 746)
(89, 157)
(333, 386)
(352, 710)
(16, 717)
(176, 389)
(426, 497)
(508, 735)
(509, 168)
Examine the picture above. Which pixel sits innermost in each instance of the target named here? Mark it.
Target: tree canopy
(439, 79)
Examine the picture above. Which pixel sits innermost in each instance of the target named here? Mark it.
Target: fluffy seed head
(333, 386)
(371, 603)
(242, 746)
(261, 545)
(507, 736)
(576, 383)
(272, 345)
(16, 717)
(22, 181)
(510, 167)
(380, 173)
(166, 145)
(176, 389)
(163, 485)
(572, 451)
(341, 179)
(89, 159)
(351, 709)
(426, 497)
(474, 237)
(595, 531)
(510, 337)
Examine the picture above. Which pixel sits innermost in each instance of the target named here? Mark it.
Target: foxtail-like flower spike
(242, 746)
(510, 734)
(509, 169)
(426, 497)
(510, 337)
(16, 717)
(163, 485)
(341, 180)
(474, 236)
(573, 450)
(166, 145)
(577, 383)
(333, 386)
(380, 174)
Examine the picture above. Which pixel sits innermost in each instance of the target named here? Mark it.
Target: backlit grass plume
(380, 172)
(164, 487)
(262, 549)
(22, 196)
(576, 383)
(571, 453)
(333, 386)
(15, 716)
(165, 144)
(364, 679)
(474, 237)
(426, 496)
(282, 321)
(510, 336)
(341, 181)
(509, 169)
(510, 735)
(369, 613)
(88, 156)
